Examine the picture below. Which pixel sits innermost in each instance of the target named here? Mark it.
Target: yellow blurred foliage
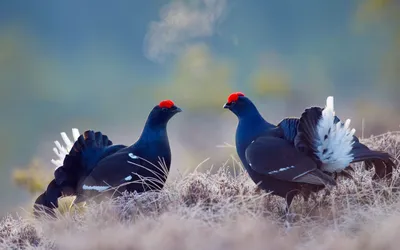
(385, 14)
(266, 82)
(65, 206)
(34, 178)
(372, 10)
(200, 81)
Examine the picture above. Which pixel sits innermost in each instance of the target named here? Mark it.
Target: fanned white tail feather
(334, 141)
(60, 150)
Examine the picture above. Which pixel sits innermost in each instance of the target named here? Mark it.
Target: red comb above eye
(166, 104)
(234, 97)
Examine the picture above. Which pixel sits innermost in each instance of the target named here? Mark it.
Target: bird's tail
(83, 155)
(325, 138)
(383, 162)
(316, 177)
(48, 200)
(62, 150)
(332, 143)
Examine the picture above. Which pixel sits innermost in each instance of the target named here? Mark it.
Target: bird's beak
(177, 110)
(226, 106)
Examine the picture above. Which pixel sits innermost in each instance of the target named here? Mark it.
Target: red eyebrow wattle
(234, 96)
(166, 104)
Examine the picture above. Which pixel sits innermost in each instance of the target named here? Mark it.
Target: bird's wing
(277, 158)
(289, 128)
(113, 171)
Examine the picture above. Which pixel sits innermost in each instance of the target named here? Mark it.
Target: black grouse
(299, 155)
(92, 165)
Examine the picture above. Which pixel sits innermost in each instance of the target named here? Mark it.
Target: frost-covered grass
(224, 211)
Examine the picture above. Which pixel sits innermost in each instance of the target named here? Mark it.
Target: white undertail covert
(62, 150)
(334, 141)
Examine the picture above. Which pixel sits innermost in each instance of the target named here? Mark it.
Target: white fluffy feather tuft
(334, 141)
(60, 150)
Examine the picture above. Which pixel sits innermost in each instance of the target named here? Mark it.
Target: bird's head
(239, 104)
(163, 112)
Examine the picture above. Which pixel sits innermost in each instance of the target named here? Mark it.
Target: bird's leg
(314, 197)
(287, 219)
(258, 190)
(288, 215)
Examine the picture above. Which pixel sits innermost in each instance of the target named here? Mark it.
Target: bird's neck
(252, 117)
(249, 128)
(153, 145)
(153, 133)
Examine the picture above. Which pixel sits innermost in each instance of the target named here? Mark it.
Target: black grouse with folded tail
(95, 166)
(300, 155)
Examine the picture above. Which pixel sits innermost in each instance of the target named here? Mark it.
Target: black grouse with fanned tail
(88, 149)
(94, 166)
(323, 137)
(299, 155)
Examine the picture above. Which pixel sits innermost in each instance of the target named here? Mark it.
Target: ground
(224, 211)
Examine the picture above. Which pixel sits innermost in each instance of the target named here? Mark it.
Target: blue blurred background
(100, 65)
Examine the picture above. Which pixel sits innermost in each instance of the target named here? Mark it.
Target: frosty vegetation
(205, 210)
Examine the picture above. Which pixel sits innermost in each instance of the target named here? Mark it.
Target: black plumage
(94, 166)
(290, 158)
(273, 155)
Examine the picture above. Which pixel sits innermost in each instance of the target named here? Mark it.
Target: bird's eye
(164, 109)
(232, 103)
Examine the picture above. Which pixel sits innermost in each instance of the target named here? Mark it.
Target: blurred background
(103, 66)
